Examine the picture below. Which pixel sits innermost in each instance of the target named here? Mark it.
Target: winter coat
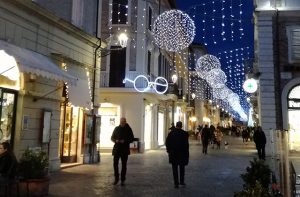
(122, 133)
(205, 135)
(177, 144)
(259, 138)
(8, 164)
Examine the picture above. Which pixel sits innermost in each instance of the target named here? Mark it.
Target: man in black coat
(259, 138)
(122, 136)
(177, 145)
(205, 137)
(8, 162)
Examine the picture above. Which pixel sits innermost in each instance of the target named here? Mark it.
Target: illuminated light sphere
(173, 30)
(216, 78)
(221, 93)
(250, 85)
(205, 64)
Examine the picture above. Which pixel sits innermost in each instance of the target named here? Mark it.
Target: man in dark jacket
(122, 136)
(205, 137)
(177, 145)
(8, 162)
(259, 138)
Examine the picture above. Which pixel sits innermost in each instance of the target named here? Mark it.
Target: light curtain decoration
(173, 30)
(216, 78)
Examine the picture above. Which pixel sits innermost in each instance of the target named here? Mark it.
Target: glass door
(8, 100)
(70, 135)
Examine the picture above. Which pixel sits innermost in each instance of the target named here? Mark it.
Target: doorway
(70, 133)
(117, 66)
(8, 101)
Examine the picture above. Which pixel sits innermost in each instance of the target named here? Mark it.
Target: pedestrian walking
(205, 137)
(172, 127)
(260, 141)
(177, 145)
(8, 162)
(219, 136)
(122, 136)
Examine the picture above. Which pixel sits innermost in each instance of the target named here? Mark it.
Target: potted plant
(33, 171)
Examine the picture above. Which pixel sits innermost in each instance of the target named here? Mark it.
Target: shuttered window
(296, 45)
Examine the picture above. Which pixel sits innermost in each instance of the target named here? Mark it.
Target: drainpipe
(92, 146)
(278, 77)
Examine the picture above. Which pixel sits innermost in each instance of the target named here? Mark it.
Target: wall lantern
(123, 38)
(174, 78)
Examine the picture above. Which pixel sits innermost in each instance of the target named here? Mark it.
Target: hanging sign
(250, 85)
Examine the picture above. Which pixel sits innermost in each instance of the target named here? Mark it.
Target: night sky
(226, 28)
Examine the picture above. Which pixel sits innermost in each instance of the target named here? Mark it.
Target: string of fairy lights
(175, 38)
(223, 13)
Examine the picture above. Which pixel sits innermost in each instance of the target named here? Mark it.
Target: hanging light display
(205, 64)
(216, 78)
(173, 30)
(221, 93)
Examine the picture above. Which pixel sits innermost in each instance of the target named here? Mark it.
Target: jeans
(124, 159)
(261, 152)
(175, 173)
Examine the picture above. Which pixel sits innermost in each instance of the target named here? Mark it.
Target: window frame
(290, 30)
(128, 14)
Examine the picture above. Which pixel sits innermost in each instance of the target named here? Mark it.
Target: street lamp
(193, 95)
(174, 78)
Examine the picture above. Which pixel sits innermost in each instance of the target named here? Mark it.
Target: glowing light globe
(250, 85)
(205, 64)
(173, 30)
(216, 78)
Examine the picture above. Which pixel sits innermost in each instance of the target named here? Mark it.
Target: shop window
(292, 3)
(8, 100)
(293, 118)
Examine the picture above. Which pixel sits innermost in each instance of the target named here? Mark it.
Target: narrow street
(150, 174)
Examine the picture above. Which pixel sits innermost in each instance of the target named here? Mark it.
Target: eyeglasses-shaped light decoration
(173, 30)
(250, 85)
(216, 78)
(205, 64)
(142, 84)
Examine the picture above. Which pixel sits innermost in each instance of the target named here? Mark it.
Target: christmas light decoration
(205, 64)
(138, 84)
(221, 93)
(216, 78)
(173, 30)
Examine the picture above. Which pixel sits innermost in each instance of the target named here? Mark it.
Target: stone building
(49, 104)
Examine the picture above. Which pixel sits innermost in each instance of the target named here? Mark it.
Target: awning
(35, 63)
(80, 94)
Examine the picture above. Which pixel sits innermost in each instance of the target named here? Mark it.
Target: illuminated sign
(250, 85)
(158, 82)
(294, 104)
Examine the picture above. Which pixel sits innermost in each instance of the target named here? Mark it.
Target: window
(294, 44)
(120, 12)
(149, 63)
(159, 65)
(292, 3)
(150, 18)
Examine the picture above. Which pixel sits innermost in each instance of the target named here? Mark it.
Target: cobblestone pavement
(216, 174)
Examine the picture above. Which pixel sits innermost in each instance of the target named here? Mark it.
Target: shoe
(116, 182)
(122, 183)
(176, 186)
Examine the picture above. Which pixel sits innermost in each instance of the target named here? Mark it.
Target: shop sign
(294, 104)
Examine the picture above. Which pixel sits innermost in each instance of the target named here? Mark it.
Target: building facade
(56, 62)
(141, 63)
(277, 33)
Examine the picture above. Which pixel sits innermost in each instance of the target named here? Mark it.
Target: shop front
(293, 118)
(76, 122)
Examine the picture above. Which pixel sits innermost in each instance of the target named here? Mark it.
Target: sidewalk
(150, 174)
